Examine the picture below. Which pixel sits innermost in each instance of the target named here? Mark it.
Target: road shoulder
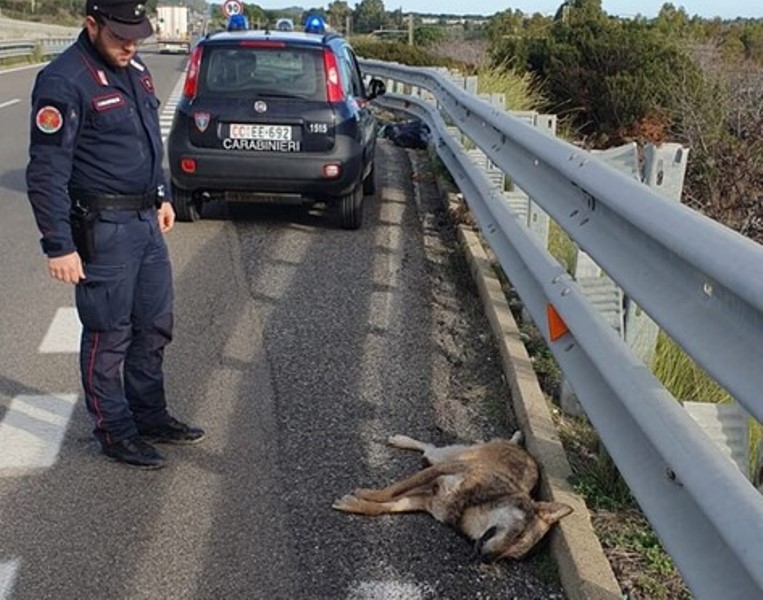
(584, 570)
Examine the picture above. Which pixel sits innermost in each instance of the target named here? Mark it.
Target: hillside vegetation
(671, 78)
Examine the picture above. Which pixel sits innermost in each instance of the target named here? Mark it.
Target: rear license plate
(244, 131)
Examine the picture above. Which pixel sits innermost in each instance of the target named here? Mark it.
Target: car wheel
(369, 183)
(351, 209)
(186, 208)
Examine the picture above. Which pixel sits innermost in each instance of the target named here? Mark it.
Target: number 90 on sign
(232, 7)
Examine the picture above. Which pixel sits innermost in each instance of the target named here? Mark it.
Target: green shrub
(520, 89)
(613, 77)
(399, 52)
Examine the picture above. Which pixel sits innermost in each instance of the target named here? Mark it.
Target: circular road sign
(232, 7)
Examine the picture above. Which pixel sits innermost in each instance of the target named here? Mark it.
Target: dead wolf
(484, 490)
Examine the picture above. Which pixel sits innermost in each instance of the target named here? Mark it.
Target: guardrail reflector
(556, 325)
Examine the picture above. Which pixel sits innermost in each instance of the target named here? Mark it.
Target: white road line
(10, 103)
(168, 112)
(63, 335)
(33, 429)
(8, 572)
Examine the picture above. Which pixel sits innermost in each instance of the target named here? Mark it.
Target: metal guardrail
(43, 47)
(700, 281)
(17, 48)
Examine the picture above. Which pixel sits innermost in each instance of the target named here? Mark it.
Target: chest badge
(108, 102)
(201, 119)
(49, 119)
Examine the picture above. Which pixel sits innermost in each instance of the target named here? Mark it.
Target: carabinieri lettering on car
(270, 145)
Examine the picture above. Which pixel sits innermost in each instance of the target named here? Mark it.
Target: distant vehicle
(277, 117)
(285, 25)
(172, 31)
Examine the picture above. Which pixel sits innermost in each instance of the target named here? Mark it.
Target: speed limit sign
(232, 7)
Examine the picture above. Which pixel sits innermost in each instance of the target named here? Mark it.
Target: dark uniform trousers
(125, 305)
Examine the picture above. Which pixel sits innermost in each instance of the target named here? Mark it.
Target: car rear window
(263, 71)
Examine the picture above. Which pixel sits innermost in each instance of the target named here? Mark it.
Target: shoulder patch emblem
(148, 84)
(49, 119)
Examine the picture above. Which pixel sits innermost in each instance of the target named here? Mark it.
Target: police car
(274, 116)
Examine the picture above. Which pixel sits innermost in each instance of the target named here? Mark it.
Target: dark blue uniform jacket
(94, 129)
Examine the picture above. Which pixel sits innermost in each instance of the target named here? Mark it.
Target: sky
(726, 9)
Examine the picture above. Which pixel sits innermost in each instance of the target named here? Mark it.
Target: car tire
(186, 208)
(369, 183)
(351, 209)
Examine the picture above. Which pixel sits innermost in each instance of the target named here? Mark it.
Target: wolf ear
(551, 512)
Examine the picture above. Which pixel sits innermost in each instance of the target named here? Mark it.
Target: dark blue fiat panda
(274, 116)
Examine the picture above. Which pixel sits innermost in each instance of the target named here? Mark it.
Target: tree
(614, 77)
(428, 35)
(672, 21)
(337, 12)
(369, 16)
(505, 24)
(255, 15)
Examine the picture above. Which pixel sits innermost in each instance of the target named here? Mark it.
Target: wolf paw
(405, 442)
(347, 503)
(398, 440)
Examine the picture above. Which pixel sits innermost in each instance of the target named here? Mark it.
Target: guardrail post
(537, 219)
(728, 426)
(664, 171)
(596, 285)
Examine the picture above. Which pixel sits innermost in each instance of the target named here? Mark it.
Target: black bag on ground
(409, 134)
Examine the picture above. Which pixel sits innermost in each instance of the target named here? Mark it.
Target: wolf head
(516, 525)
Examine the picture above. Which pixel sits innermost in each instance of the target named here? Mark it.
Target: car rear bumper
(289, 173)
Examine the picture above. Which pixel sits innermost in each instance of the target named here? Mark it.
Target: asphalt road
(299, 347)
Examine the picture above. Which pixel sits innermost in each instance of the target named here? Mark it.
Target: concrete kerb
(584, 570)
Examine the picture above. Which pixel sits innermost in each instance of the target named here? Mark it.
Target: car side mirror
(376, 88)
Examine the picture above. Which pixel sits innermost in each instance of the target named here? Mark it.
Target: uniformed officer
(97, 189)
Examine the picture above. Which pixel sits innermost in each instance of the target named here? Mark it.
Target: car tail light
(188, 165)
(331, 171)
(334, 89)
(192, 74)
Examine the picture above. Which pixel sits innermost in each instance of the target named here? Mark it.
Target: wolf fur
(484, 490)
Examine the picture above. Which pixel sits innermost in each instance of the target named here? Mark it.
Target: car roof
(275, 35)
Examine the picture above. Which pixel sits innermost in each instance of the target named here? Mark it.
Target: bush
(398, 52)
(613, 78)
(520, 89)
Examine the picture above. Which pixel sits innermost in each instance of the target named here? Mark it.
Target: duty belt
(100, 201)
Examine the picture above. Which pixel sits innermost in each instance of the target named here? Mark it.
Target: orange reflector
(556, 325)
